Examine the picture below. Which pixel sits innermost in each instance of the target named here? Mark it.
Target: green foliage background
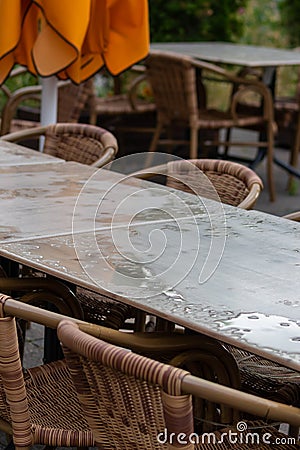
(197, 20)
(290, 14)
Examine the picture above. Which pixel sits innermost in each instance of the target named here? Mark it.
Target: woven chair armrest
(258, 88)
(24, 134)
(139, 68)
(226, 74)
(132, 91)
(21, 70)
(242, 85)
(16, 98)
(14, 73)
(293, 216)
(250, 201)
(106, 158)
(161, 169)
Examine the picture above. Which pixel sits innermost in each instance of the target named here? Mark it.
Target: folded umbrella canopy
(72, 39)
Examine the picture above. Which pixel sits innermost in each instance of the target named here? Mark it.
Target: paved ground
(285, 203)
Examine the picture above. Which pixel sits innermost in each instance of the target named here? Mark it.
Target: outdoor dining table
(13, 154)
(252, 56)
(218, 270)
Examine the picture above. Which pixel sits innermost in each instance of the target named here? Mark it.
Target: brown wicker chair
(79, 142)
(286, 114)
(174, 84)
(234, 184)
(118, 106)
(72, 100)
(134, 402)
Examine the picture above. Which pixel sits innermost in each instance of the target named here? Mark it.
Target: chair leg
(270, 172)
(295, 150)
(153, 145)
(227, 139)
(156, 136)
(194, 143)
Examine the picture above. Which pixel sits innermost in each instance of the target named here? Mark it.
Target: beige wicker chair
(72, 100)
(235, 184)
(43, 399)
(73, 142)
(39, 406)
(134, 402)
(174, 85)
(203, 355)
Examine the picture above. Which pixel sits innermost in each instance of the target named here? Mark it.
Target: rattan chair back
(128, 399)
(173, 82)
(72, 101)
(220, 180)
(235, 184)
(39, 406)
(143, 387)
(135, 402)
(79, 142)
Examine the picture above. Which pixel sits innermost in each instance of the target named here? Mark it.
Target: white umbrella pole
(48, 103)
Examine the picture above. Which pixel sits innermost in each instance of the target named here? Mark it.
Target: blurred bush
(196, 20)
(290, 15)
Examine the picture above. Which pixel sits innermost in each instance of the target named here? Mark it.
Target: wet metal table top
(219, 270)
(13, 154)
(228, 53)
(41, 200)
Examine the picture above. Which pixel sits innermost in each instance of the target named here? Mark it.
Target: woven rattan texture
(129, 399)
(121, 392)
(77, 142)
(231, 181)
(102, 310)
(266, 378)
(43, 406)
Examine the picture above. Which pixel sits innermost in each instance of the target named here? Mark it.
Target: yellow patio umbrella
(72, 39)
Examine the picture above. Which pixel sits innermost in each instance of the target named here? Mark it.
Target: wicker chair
(134, 402)
(174, 84)
(72, 100)
(286, 115)
(48, 397)
(234, 184)
(83, 143)
(39, 406)
(118, 106)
